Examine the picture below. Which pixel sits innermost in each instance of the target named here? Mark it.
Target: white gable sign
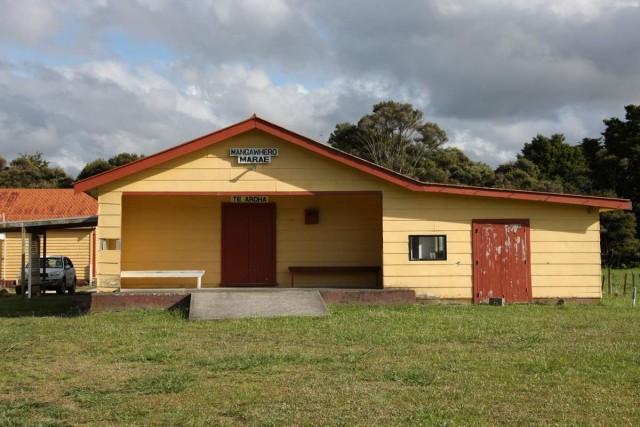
(249, 156)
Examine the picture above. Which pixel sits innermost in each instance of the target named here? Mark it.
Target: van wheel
(72, 289)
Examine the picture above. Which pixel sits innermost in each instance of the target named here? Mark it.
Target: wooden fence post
(624, 287)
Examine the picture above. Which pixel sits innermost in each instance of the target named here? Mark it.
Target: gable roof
(256, 122)
(39, 204)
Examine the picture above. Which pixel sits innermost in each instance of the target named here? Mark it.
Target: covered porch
(250, 239)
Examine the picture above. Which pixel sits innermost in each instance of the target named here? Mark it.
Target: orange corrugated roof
(18, 204)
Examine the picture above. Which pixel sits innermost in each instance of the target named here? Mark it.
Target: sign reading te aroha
(248, 156)
(250, 199)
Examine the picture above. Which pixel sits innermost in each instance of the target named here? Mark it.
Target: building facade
(257, 205)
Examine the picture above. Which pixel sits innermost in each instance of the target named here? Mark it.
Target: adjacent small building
(255, 204)
(29, 205)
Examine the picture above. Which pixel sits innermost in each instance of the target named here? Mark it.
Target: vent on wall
(311, 216)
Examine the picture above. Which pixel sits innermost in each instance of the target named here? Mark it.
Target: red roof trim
(250, 193)
(385, 174)
(163, 156)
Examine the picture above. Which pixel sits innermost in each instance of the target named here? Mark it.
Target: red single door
(248, 244)
(501, 266)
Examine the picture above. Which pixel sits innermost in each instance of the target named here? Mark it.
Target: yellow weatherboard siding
(367, 229)
(74, 243)
(171, 233)
(555, 229)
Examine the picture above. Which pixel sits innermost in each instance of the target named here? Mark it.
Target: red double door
(248, 244)
(501, 266)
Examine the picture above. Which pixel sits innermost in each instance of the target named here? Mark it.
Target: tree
(124, 158)
(614, 159)
(101, 165)
(393, 136)
(619, 245)
(622, 142)
(451, 166)
(94, 168)
(523, 174)
(32, 171)
(558, 161)
(604, 167)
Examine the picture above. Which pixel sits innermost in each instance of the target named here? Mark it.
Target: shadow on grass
(45, 305)
(66, 306)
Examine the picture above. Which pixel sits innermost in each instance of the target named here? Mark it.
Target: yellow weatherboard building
(257, 205)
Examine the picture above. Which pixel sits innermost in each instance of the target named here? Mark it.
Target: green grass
(413, 365)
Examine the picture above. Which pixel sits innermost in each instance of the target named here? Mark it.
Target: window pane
(428, 248)
(109, 244)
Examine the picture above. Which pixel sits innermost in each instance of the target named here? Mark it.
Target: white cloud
(492, 73)
(586, 9)
(28, 21)
(95, 110)
(99, 109)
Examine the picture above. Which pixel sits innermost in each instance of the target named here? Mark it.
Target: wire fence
(621, 283)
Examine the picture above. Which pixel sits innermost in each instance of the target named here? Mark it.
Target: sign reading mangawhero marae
(253, 155)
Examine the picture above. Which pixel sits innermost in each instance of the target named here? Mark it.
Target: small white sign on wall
(250, 199)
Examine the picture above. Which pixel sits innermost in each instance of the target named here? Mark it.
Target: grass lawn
(412, 365)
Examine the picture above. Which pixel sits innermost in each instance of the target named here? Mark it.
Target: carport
(31, 250)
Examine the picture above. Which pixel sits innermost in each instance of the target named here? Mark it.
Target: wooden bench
(336, 269)
(197, 274)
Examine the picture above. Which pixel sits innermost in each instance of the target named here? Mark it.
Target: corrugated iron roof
(19, 204)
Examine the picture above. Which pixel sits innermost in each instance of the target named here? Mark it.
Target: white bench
(165, 273)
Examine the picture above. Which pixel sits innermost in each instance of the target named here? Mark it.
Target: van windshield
(52, 262)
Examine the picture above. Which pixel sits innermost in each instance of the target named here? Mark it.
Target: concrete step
(255, 303)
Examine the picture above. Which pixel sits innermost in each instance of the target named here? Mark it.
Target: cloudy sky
(84, 79)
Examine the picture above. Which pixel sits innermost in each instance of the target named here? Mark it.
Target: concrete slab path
(255, 303)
